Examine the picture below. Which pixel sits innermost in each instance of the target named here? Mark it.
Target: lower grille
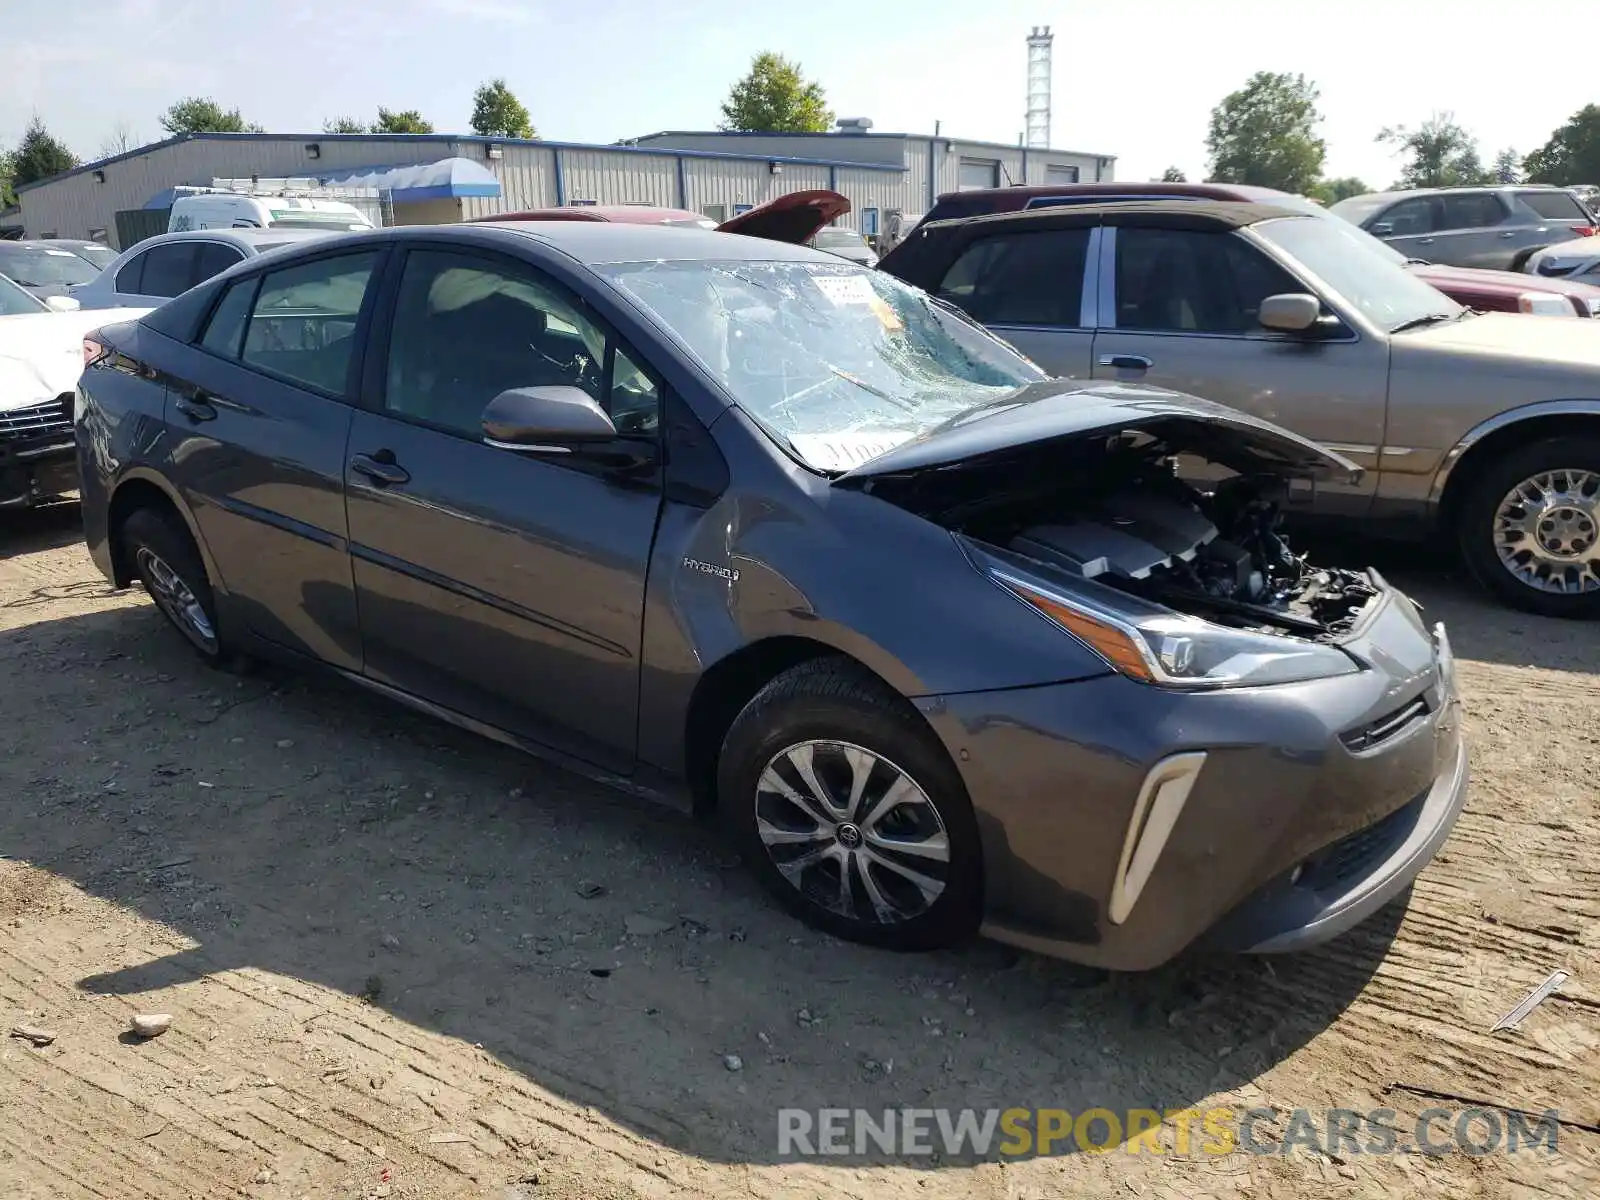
(37, 420)
(1356, 853)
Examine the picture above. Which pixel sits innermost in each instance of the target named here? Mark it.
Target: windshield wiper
(908, 405)
(1428, 319)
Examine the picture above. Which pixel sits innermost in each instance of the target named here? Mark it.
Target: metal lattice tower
(1039, 43)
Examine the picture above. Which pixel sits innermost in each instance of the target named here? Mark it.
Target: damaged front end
(1089, 522)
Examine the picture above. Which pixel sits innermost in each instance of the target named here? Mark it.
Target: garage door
(978, 173)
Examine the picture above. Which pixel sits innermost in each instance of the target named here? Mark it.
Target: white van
(230, 210)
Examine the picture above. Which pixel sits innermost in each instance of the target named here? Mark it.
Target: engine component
(1131, 534)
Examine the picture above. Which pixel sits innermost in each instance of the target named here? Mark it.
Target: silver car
(1493, 227)
(158, 268)
(846, 243)
(1479, 429)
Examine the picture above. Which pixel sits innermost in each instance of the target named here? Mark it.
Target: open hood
(794, 217)
(1045, 416)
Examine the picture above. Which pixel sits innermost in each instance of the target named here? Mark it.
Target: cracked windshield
(837, 365)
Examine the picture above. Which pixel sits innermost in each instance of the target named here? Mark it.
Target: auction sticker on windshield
(845, 289)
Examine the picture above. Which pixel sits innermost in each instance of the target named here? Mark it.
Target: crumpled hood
(41, 354)
(1053, 411)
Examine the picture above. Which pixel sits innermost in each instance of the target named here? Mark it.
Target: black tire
(1475, 523)
(1520, 261)
(832, 700)
(152, 541)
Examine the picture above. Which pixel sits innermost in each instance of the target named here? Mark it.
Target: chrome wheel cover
(852, 832)
(1547, 532)
(175, 598)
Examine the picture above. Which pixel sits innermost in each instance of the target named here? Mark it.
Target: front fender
(1494, 424)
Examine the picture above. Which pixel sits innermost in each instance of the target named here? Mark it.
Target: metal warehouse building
(466, 176)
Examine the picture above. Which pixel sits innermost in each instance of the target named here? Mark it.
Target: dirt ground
(390, 978)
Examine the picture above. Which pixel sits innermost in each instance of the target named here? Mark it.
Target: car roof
(247, 238)
(1470, 189)
(1164, 214)
(637, 214)
(595, 242)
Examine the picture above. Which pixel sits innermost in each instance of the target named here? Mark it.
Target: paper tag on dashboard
(845, 289)
(841, 452)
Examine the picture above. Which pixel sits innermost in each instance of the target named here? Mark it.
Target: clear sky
(1136, 80)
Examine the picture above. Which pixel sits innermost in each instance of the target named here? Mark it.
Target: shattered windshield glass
(837, 363)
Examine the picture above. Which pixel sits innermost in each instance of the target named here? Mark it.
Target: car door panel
(261, 466)
(1334, 391)
(505, 585)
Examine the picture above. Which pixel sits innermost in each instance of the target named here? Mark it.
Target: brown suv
(1487, 291)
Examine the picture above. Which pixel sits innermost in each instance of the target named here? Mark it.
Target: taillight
(1545, 304)
(94, 351)
(1584, 230)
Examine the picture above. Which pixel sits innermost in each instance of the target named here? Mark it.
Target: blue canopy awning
(443, 180)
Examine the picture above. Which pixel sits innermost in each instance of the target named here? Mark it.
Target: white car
(151, 272)
(41, 357)
(1577, 260)
(846, 243)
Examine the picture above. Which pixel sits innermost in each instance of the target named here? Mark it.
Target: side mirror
(1290, 312)
(545, 419)
(61, 304)
(1381, 229)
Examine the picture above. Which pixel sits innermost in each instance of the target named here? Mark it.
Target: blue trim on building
(561, 179)
(444, 191)
(870, 135)
(462, 139)
(833, 179)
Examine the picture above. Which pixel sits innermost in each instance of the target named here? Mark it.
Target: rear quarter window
(1554, 206)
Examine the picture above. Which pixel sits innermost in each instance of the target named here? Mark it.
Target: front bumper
(38, 459)
(1317, 803)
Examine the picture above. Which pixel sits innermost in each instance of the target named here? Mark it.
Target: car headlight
(1174, 650)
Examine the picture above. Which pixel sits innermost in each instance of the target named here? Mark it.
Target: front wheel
(848, 810)
(1530, 527)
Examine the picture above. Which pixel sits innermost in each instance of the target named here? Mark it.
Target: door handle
(1126, 362)
(197, 408)
(1425, 241)
(1509, 233)
(380, 467)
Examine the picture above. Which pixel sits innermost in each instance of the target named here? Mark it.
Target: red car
(1492, 291)
(793, 217)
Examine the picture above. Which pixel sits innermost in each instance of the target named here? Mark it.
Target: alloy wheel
(176, 599)
(1547, 532)
(852, 832)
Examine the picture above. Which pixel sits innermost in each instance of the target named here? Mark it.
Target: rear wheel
(1530, 527)
(848, 810)
(165, 559)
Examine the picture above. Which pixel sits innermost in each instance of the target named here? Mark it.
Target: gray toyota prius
(948, 646)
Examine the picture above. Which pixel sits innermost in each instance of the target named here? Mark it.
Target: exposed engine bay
(1134, 525)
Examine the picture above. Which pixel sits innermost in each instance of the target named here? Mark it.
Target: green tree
(775, 98)
(497, 113)
(1266, 134)
(8, 198)
(1572, 155)
(343, 125)
(1438, 153)
(202, 114)
(1331, 191)
(1173, 175)
(39, 156)
(411, 121)
(1507, 167)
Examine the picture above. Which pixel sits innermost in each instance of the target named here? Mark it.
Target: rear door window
(168, 270)
(130, 274)
(214, 258)
(302, 325)
(1554, 206)
(1470, 210)
(225, 330)
(1021, 279)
